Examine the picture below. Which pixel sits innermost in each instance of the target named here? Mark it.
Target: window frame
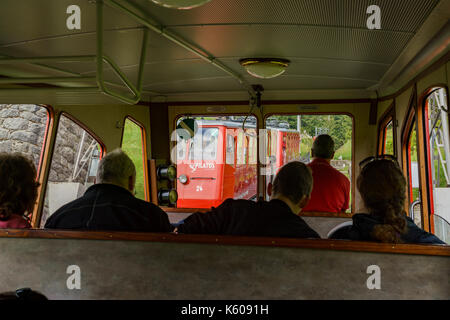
(144, 153)
(50, 149)
(353, 180)
(425, 149)
(388, 116)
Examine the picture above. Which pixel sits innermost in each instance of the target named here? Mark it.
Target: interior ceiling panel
(303, 41)
(403, 15)
(164, 72)
(196, 85)
(45, 19)
(327, 41)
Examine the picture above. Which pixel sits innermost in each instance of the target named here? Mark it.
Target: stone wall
(22, 129)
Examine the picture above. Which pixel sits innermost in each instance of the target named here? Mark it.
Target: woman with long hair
(383, 190)
(18, 190)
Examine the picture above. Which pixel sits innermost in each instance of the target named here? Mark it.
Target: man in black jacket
(110, 204)
(290, 192)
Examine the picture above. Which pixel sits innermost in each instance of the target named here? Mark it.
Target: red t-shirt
(331, 189)
(15, 222)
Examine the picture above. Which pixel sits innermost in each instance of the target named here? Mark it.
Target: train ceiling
(327, 42)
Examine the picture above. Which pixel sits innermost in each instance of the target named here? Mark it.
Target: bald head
(117, 168)
(323, 147)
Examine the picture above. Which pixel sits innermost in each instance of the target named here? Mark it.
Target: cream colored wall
(383, 106)
(401, 109)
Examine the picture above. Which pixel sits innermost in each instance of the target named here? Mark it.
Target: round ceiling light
(181, 4)
(265, 68)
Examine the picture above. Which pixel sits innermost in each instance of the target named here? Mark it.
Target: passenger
(277, 218)
(18, 190)
(383, 189)
(331, 191)
(110, 204)
(24, 294)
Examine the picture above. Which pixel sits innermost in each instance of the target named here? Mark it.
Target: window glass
(414, 187)
(204, 144)
(230, 150)
(23, 129)
(438, 152)
(218, 165)
(133, 145)
(389, 138)
(73, 168)
(290, 138)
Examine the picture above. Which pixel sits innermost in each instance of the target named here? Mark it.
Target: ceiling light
(265, 68)
(181, 4)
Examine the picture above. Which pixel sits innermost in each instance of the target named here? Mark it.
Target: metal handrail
(101, 58)
(411, 208)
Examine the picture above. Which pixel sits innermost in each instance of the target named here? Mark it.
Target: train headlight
(166, 172)
(166, 197)
(183, 179)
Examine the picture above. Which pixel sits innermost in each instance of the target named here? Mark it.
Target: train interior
(81, 78)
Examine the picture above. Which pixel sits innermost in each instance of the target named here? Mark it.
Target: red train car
(283, 146)
(220, 162)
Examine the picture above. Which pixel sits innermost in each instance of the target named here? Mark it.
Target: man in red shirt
(331, 188)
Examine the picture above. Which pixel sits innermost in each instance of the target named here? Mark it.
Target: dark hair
(24, 294)
(383, 189)
(294, 180)
(323, 147)
(18, 188)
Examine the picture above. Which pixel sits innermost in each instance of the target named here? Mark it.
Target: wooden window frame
(425, 149)
(43, 163)
(388, 116)
(48, 156)
(144, 153)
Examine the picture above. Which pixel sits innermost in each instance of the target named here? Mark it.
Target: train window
(133, 143)
(388, 139)
(219, 161)
(387, 133)
(438, 155)
(230, 150)
(413, 175)
(74, 165)
(290, 137)
(23, 129)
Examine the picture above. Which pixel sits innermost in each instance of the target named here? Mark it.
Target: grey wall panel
(322, 225)
(151, 270)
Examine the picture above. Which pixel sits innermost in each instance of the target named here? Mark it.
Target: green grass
(345, 151)
(132, 145)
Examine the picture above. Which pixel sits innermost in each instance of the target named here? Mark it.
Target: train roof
(193, 55)
(238, 124)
